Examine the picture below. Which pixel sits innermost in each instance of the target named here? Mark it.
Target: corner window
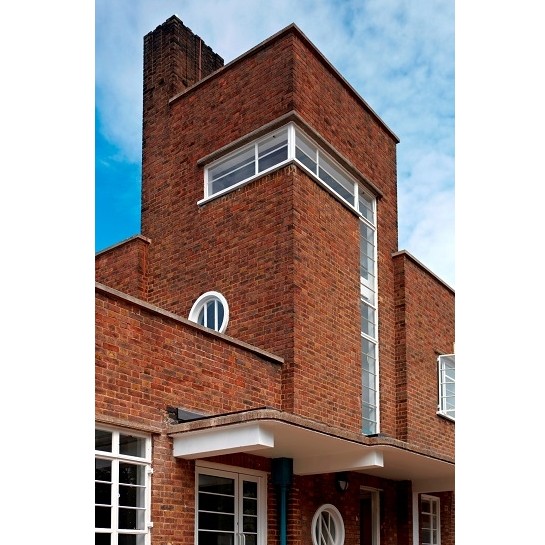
(327, 526)
(276, 149)
(211, 310)
(447, 385)
(429, 520)
(122, 487)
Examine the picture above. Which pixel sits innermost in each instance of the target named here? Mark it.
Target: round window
(327, 526)
(211, 310)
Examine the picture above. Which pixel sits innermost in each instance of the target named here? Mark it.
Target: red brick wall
(447, 517)
(426, 329)
(124, 267)
(325, 377)
(145, 363)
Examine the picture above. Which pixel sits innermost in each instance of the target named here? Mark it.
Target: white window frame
(335, 517)
(205, 299)
(435, 534)
(116, 458)
(243, 149)
(238, 474)
(323, 160)
(443, 380)
(369, 305)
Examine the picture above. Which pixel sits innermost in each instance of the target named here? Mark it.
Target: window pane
(369, 427)
(306, 160)
(103, 440)
(131, 539)
(200, 319)
(103, 517)
(213, 538)
(306, 147)
(368, 348)
(217, 485)
(131, 519)
(249, 506)
(216, 502)
(132, 446)
(132, 496)
(331, 170)
(426, 536)
(366, 207)
(211, 314)
(249, 489)
(251, 539)
(233, 170)
(367, 319)
(103, 470)
(216, 521)
(103, 493)
(221, 314)
(131, 473)
(367, 293)
(273, 150)
(102, 539)
(369, 413)
(249, 524)
(334, 184)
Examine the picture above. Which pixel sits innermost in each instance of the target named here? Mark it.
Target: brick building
(270, 368)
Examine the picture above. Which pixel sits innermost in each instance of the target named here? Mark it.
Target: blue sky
(398, 55)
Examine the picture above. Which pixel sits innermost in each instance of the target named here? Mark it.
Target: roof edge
(111, 292)
(422, 266)
(291, 28)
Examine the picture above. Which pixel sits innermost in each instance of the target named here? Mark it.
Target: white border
(204, 298)
(339, 540)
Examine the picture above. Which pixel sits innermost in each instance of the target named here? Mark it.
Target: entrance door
(228, 507)
(369, 517)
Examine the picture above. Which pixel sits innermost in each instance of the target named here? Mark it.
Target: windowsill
(445, 416)
(238, 185)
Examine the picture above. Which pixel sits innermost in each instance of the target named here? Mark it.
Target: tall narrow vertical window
(122, 491)
(447, 383)
(368, 307)
(429, 520)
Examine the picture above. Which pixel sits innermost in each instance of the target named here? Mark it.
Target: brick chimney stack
(174, 59)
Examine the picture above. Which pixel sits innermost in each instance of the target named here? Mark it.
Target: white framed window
(275, 150)
(430, 533)
(447, 398)
(327, 526)
(368, 312)
(122, 487)
(246, 163)
(230, 505)
(211, 310)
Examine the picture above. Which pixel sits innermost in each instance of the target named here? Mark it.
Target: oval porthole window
(211, 310)
(327, 526)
